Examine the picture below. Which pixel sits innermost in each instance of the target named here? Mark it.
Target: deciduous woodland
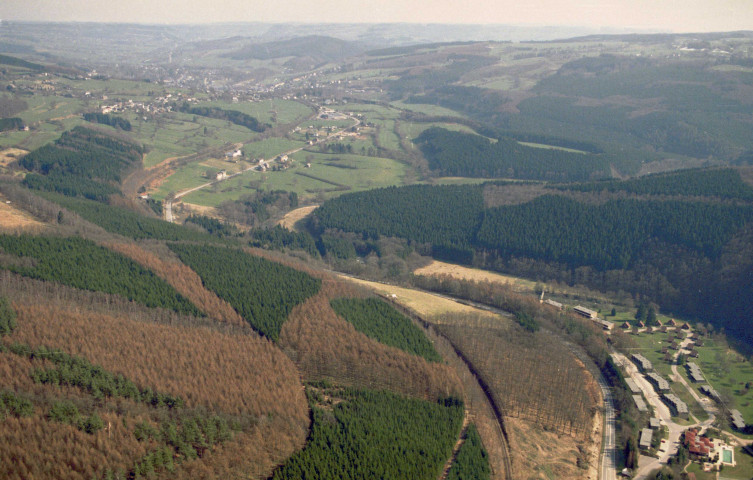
(190, 361)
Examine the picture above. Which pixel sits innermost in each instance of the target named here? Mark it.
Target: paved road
(609, 443)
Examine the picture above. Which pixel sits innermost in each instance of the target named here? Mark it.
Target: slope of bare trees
(217, 369)
(324, 346)
(532, 376)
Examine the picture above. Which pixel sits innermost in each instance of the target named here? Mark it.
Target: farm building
(645, 441)
(554, 304)
(659, 382)
(694, 372)
(640, 403)
(605, 324)
(644, 364)
(632, 385)
(709, 391)
(585, 312)
(677, 406)
(737, 419)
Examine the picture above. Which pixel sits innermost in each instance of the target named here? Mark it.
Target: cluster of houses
(156, 106)
(660, 384)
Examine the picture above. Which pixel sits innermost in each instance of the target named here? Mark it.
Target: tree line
(724, 183)
(232, 116)
(12, 123)
(106, 119)
(127, 222)
(472, 460)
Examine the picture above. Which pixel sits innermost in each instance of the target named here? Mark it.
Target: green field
(329, 176)
(266, 111)
(728, 372)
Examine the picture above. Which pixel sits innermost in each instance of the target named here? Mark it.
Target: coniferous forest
(610, 235)
(263, 292)
(375, 435)
(380, 321)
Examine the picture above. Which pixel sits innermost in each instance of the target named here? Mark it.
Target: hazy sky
(667, 15)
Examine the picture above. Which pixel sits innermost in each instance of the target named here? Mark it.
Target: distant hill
(319, 48)
(18, 62)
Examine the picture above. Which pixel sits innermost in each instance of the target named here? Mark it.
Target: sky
(662, 15)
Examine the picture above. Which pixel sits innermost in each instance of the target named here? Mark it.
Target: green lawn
(728, 371)
(189, 176)
(700, 474)
(744, 468)
(270, 147)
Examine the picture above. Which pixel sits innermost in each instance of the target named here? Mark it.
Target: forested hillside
(117, 389)
(82, 264)
(378, 320)
(369, 434)
(82, 162)
(263, 292)
(468, 155)
(650, 245)
(720, 183)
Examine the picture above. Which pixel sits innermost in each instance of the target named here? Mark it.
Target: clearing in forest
(424, 304)
(436, 268)
(10, 154)
(294, 216)
(13, 218)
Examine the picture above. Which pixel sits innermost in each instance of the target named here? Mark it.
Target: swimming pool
(726, 456)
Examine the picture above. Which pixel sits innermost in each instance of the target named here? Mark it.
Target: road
(608, 461)
(168, 207)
